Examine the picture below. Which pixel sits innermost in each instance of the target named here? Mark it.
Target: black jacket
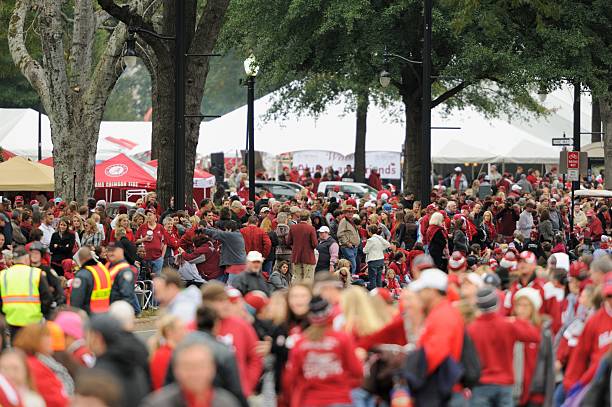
(61, 246)
(124, 359)
(123, 286)
(247, 281)
(171, 396)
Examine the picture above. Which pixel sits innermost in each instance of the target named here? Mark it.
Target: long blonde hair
(359, 313)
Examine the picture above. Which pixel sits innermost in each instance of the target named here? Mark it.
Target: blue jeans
(350, 253)
(156, 265)
(492, 395)
(375, 268)
(362, 398)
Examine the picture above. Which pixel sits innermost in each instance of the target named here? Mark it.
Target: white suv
(355, 189)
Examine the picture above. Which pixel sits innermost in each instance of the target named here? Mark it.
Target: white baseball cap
(255, 256)
(323, 229)
(430, 278)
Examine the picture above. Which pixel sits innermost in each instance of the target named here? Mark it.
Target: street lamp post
(251, 69)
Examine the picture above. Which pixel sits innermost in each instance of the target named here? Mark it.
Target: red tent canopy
(198, 174)
(123, 172)
(47, 161)
(7, 154)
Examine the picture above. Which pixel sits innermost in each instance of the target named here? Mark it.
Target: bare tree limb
(28, 66)
(448, 94)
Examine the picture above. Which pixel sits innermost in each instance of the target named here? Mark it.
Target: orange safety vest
(114, 270)
(100, 295)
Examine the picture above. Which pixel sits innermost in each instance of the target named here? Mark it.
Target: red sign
(573, 159)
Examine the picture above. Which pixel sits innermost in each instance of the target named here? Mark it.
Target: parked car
(281, 190)
(355, 189)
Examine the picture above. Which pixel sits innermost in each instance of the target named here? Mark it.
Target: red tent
(7, 154)
(122, 172)
(47, 161)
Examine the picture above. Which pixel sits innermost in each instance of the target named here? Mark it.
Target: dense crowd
(481, 297)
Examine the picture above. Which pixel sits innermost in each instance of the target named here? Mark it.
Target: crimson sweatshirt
(494, 337)
(592, 345)
(322, 373)
(240, 336)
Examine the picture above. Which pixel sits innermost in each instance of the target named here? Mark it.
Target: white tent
(19, 134)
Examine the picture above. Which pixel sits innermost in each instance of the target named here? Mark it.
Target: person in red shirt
(323, 367)
(255, 238)
(592, 345)
(594, 228)
(169, 333)
(236, 333)
(494, 337)
(443, 328)
(153, 236)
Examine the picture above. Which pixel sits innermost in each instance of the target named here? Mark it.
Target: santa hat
(528, 257)
(256, 299)
(531, 294)
(456, 262)
(509, 261)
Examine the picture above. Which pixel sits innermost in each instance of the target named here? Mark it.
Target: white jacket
(375, 248)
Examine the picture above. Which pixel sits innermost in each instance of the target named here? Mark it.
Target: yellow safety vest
(20, 296)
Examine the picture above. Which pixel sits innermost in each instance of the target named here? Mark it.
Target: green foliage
(15, 91)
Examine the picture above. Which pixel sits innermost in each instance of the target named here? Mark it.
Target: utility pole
(426, 108)
(179, 106)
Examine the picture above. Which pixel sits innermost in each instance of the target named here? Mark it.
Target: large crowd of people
(483, 296)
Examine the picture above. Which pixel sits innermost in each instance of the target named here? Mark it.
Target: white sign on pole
(573, 174)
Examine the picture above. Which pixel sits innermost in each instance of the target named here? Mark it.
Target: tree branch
(130, 18)
(448, 94)
(29, 67)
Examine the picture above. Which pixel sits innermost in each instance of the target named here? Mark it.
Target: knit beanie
(486, 299)
(532, 295)
(320, 311)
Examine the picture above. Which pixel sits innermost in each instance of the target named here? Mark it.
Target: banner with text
(387, 162)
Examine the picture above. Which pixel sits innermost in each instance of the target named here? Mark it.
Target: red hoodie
(592, 346)
(239, 335)
(322, 373)
(494, 337)
(442, 335)
(158, 365)
(47, 384)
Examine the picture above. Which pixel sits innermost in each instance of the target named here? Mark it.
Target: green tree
(15, 91)
(482, 64)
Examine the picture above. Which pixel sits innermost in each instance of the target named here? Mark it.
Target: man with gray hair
(599, 268)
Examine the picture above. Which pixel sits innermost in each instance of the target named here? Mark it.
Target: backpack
(470, 362)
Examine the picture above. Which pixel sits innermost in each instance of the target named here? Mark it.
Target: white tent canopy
(512, 140)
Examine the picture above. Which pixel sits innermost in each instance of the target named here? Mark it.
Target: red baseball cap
(256, 299)
(233, 294)
(576, 268)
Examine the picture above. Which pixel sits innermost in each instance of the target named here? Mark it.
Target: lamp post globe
(385, 79)
(130, 58)
(251, 67)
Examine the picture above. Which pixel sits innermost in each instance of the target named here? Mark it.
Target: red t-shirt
(153, 248)
(240, 335)
(158, 365)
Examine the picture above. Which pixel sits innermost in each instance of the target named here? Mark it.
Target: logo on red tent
(116, 170)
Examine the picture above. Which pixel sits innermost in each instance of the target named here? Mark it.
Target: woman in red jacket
(35, 341)
(322, 367)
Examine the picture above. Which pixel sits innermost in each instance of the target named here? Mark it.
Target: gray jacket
(232, 249)
(277, 281)
(171, 396)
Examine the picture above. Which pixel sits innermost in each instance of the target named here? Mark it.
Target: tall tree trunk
(72, 86)
(595, 121)
(413, 145)
(606, 117)
(163, 131)
(361, 114)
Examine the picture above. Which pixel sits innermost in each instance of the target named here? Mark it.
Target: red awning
(201, 178)
(6, 154)
(123, 172)
(47, 161)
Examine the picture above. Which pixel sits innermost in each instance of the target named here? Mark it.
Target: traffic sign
(573, 174)
(573, 160)
(564, 141)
